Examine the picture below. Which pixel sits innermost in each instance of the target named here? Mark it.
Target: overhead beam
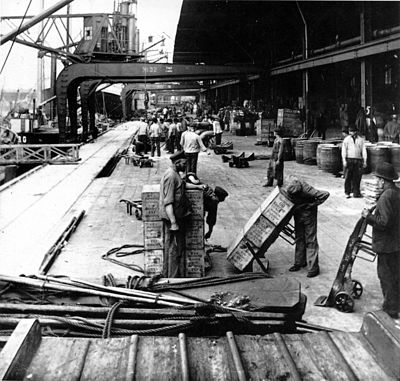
(58, 52)
(360, 51)
(33, 21)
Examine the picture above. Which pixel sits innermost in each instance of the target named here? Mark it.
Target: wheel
(357, 289)
(344, 302)
(141, 164)
(138, 214)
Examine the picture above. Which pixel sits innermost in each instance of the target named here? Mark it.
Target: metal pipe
(33, 21)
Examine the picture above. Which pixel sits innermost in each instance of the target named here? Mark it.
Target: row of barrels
(326, 154)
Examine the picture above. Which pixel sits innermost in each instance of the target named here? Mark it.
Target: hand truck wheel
(357, 289)
(138, 214)
(344, 302)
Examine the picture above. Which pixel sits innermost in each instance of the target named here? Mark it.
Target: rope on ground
(109, 319)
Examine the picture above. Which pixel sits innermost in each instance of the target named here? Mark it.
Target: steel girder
(72, 76)
(383, 45)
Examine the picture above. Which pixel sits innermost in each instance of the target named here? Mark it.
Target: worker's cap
(352, 127)
(221, 193)
(294, 187)
(386, 171)
(177, 156)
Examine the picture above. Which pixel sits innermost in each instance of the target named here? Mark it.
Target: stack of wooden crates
(155, 245)
(265, 130)
(290, 122)
(261, 230)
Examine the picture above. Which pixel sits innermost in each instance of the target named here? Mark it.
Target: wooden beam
(20, 349)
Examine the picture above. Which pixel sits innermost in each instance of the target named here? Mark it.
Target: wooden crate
(196, 201)
(151, 202)
(153, 262)
(276, 207)
(290, 122)
(194, 237)
(261, 230)
(153, 235)
(194, 263)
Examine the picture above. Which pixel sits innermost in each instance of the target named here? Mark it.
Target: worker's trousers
(388, 273)
(307, 249)
(353, 174)
(191, 162)
(174, 260)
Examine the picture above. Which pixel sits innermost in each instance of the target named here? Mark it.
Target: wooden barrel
(287, 149)
(377, 154)
(310, 151)
(299, 151)
(330, 158)
(395, 156)
(319, 148)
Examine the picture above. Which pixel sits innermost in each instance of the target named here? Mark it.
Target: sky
(154, 18)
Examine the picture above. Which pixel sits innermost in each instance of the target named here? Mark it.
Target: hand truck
(345, 289)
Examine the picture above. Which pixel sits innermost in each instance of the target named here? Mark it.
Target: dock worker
(155, 134)
(174, 209)
(354, 157)
(385, 223)
(306, 199)
(143, 133)
(212, 197)
(391, 130)
(275, 166)
(192, 144)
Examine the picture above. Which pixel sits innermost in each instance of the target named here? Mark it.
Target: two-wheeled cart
(345, 289)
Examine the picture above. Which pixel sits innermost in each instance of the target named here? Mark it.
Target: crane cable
(13, 41)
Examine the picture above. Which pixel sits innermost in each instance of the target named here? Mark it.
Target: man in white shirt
(155, 133)
(354, 156)
(192, 144)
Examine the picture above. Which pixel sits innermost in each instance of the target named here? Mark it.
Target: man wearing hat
(385, 223)
(211, 200)
(354, 156)
(174, 208)
(275, 166)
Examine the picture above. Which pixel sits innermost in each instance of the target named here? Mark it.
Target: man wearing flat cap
(211, 201)
(275, 166)
(174, 209)
(385, 222)
(354, 157)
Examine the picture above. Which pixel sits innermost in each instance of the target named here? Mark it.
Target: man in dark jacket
(306, 199)
(211, 201)
(385, 223)
(275, 166)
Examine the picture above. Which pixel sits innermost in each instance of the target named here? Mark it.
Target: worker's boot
(225, 158)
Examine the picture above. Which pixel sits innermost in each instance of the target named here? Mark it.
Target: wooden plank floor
(34, 212)
(26, 232)
(208, 358)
